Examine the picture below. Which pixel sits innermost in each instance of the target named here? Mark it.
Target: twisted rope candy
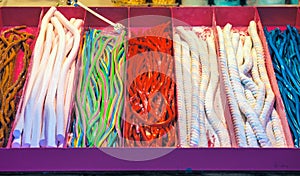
(187, 82)
(180, 91)
(233, 105)
(270, 98)
(13, 42)
(260, 96)
(205, 76)
(268, 108)
(197, 124)
(99, 96)
(238, 91)
(216, 123)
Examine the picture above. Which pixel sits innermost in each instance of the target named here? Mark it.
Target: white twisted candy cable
(180, 91)
(246, 53)
(187, 82)
(235, 37)
(205, 76)
(270, 98)
(238, 122)
(251, 138)
(260, 98)
(278, 130)
(216, 123)
(250, 97)
(219, 105)
(195, 128)
(270, 132)
(238, 91)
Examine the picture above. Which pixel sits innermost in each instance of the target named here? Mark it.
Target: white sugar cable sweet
(32, 107)
(238, 122)
(180, 91)
(270, 98)
(24, 125)
(205, 76)
(60, 132)
(251, 138)
(260, 98)
(50, 104)
(238, 91)
(246, 53)
(44, 89)
(187, 82)
(278, 130)
(235, 39)
(195, 129)
(215, 121)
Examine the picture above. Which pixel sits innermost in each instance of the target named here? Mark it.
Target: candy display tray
(93, 159)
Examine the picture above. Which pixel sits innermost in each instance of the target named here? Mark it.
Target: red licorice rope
(151, 113)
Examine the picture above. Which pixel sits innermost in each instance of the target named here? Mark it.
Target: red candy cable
(150, 114)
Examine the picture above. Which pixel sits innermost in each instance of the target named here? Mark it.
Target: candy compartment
(199, 91)
(240, 25)
(150, 115)
(19, 62)
(99, 97)
(283, 22)
(32, 105)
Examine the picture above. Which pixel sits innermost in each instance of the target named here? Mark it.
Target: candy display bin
(121, 159)
(226, 15)
(31, 25)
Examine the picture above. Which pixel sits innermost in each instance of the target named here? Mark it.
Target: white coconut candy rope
(260, 97)
(182, 122)
(238, 91)
(187, 82)
(205, 76)
(270, 98)
(214, 120)
(195, 128)
(237, 120)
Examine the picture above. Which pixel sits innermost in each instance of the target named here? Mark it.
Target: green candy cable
(100, 93)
